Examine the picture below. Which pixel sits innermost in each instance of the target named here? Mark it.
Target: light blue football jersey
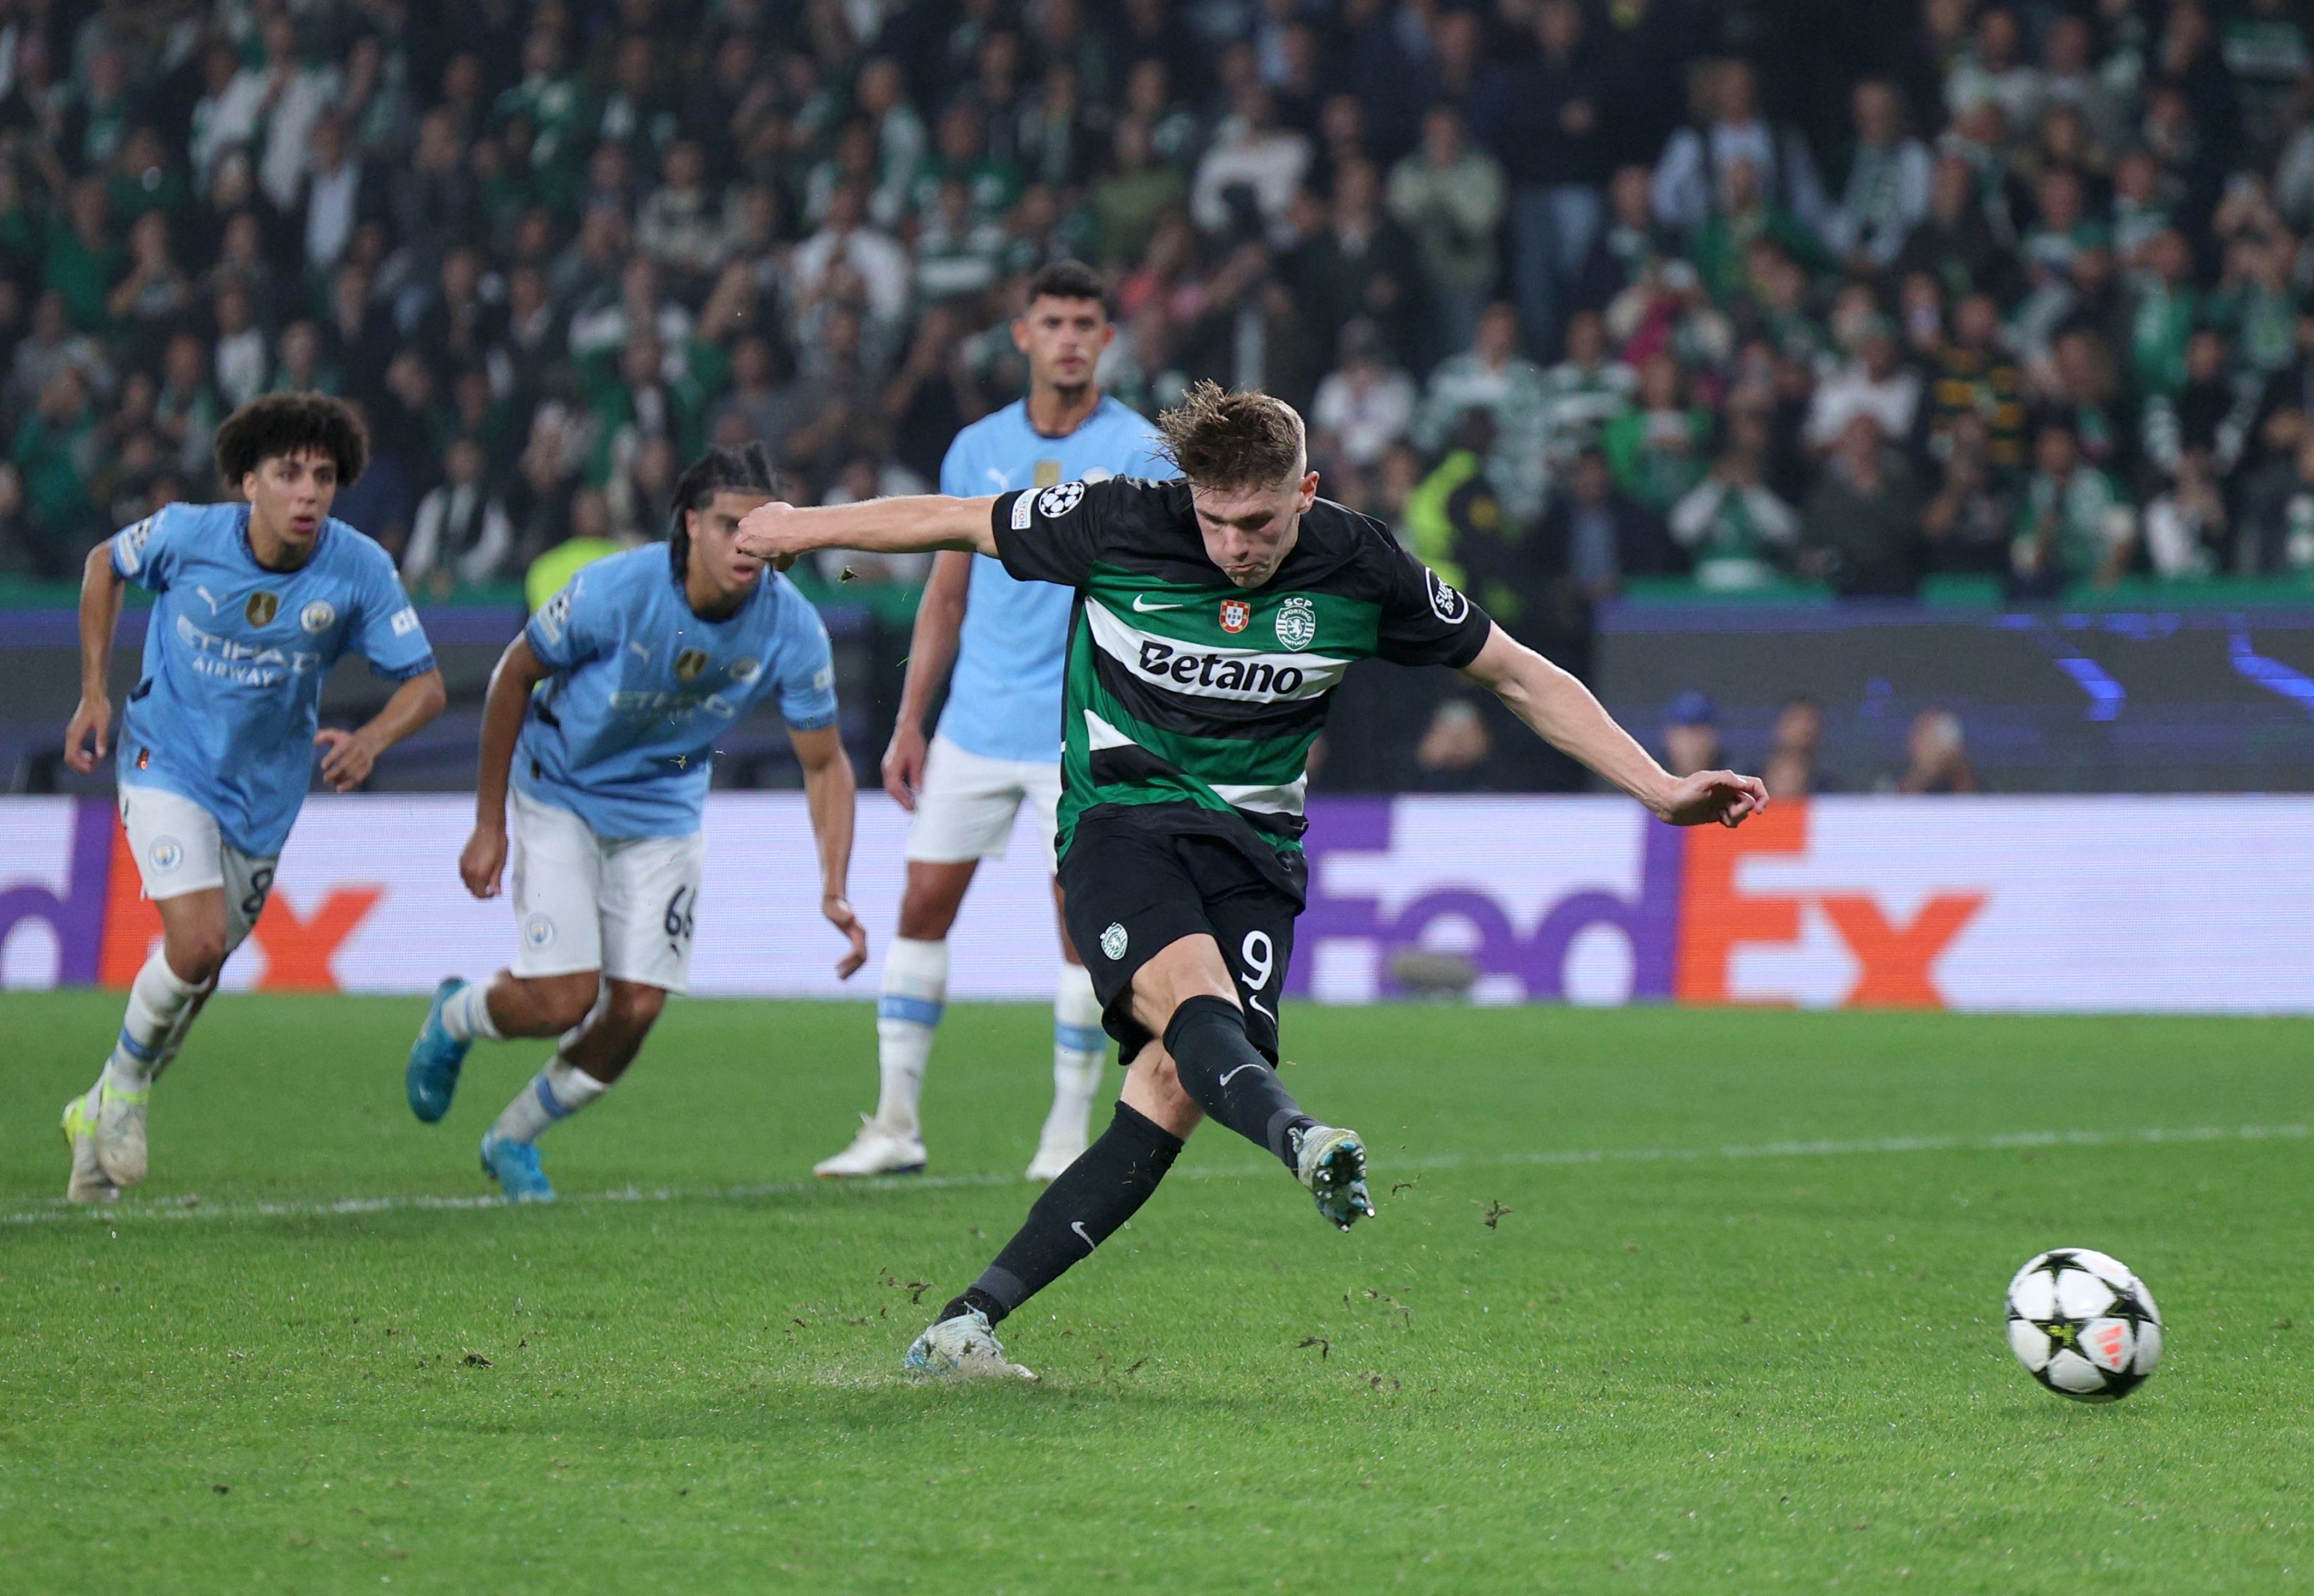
(234, 655)
(623, 733)
(1004, 695)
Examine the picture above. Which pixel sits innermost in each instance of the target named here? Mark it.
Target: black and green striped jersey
(1184, 690)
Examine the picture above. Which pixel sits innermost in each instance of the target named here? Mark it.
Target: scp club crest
(1297, 622)
(1236, 614)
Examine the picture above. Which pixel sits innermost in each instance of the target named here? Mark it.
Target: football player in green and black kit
(1214, 614)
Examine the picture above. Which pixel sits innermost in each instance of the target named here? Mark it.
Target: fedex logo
(1697, 926)
(101, 928)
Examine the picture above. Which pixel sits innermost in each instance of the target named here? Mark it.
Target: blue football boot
(435, 1059)
(514, 1165)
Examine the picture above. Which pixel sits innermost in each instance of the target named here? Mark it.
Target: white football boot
(1331, 1162)
(962, 1348)
(119, 1133)
(875, 1150)
(88, 1183)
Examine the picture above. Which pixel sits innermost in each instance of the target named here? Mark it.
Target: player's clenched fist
(770, 532)
(482, 865)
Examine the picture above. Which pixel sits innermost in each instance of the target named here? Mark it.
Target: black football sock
(1228, 1078)
(1106, 1186)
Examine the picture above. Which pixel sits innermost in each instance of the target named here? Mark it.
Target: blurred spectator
(1937, 755)
(1791, 770)
(1491, 376)
(1366, 404)
(1966, 527)
(1657, 447)
(1734, 527)
(2278, 530)
(1690, 736)
(1886, 193)
(1872, 386)
(1695, 163)
(1449, 197)
(2186, 528)
(1362, 263)
(1583, 392)
(1597, 535)
(1246, 180)
(1975, 376)
(462, 530)
(1861, 533)
(1544, 127)
(55, 455)
(2075, 523)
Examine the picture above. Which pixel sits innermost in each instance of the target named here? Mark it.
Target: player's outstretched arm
(100, 616)
(482, 862)
(348, 757)
(1564, 713)
(828, 793)
(913, 524)
(932, 650)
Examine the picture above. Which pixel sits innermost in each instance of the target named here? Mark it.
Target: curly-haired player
(254, 603)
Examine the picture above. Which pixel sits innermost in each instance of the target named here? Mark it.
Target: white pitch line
(193, 1207)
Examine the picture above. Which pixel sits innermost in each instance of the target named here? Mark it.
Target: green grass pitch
(1753, 1344)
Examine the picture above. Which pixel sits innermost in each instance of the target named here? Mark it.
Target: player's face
(1249, 532)
(1063, 339)
(716, 558)
(291, 494)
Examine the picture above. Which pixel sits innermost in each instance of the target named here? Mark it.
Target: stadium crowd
(1571, 294)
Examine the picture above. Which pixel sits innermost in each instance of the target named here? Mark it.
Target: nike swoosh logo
(1241, 1069)
(1078, 1226)
(1266, 1014)
(1142, 606)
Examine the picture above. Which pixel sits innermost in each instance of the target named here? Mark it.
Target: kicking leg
(915, 993)
(1080, 1053)
(1086, 1206)
(1188, 994)
(598, 1043)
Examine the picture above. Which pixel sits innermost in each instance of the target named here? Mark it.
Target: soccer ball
(2083, 1325)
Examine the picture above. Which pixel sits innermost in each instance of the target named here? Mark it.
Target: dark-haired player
(604, 714)
(1215, 616)
(254, 603)
(998, 744)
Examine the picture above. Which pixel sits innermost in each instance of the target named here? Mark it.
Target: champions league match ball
(2083, 1325)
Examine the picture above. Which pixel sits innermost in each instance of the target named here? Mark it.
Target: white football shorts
(622, 905)
(966, 807)
(179, 851)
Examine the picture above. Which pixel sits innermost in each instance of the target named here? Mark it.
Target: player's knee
(634, 1008)
(196, 956)
(564, 1002)
(926, 913)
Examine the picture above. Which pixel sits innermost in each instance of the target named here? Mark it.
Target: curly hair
(290, 424)
(1232, 437)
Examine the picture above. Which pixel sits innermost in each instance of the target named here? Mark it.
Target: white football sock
(467, 1015)
(160, 1006)
(1080, 1049)
(555, 1093)
(915, 991)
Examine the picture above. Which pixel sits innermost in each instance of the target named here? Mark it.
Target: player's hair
(1067, 279)
(290, 424)
(747, 469)
(1223, 437)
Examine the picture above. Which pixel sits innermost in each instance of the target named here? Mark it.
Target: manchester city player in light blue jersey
(604, 715)
(999, 738)
(254, 603)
